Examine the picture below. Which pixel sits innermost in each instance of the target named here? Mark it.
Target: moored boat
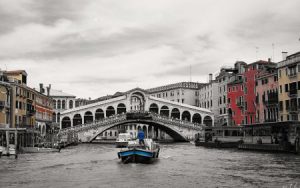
(38, 150)
(137, 153)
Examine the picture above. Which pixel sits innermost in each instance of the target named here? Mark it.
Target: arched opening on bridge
(110, 111)
(58, 117)
(150, 131)
(197, 118)
(121, 108)
(175, 113)
(99, 114)
(153, 108)
(66, 122)
(145, 131)
(186, 116)
(164, 111)
(88, 117)
(54, 117)
(77, 120)
(207, 121)
(137, 101)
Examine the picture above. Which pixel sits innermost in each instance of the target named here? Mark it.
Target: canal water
(179, 165)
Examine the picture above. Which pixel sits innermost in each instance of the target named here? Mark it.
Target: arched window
(70, 104)
(54, 104)
(153, 108)
(58, 104)
(63, 105)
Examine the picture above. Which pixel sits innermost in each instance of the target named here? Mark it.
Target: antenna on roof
(256, 51)
(273, 46)
(190, 73)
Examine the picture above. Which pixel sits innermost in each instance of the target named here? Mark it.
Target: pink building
(266, 96)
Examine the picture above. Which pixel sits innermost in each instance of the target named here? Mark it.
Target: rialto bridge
(180, 121)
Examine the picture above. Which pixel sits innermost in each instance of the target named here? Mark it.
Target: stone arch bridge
(180, 121)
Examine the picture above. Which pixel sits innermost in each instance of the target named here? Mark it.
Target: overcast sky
(94, 48)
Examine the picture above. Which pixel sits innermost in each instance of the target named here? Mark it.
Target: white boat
(122, 140)
(12, 149)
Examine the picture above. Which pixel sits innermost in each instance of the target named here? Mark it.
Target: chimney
(41, 88)
(269, 59)
(210, 77)
(48, 90)
(284, 54)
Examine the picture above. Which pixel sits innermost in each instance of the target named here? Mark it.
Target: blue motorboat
(136, 153)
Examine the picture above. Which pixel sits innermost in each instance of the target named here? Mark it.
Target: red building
(241, 95)
(250, 76)
(235, 95)
(235, 102)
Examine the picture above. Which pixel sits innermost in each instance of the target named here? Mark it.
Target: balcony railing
(30, 112)
(271, 102)
(240, 104)
(293, 93)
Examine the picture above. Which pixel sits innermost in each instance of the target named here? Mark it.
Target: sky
(94, 48)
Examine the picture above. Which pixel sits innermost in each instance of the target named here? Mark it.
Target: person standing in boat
(141, 136)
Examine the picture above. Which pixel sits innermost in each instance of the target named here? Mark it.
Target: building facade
(183, 92)
(289, 86)
(235, 95)
(267, 96)
(223, 78)
(208, 96)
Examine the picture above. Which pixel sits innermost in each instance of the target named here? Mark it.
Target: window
(280, 105)
(287, 104)
(182, 100)
(279, 73)
(298, 67)
(280, 88)
(286, 88)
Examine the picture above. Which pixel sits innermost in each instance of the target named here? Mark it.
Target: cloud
(93, 48)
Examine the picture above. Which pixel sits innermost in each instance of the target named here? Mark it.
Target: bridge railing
(177, 122)
(94, 124)
(121, 117)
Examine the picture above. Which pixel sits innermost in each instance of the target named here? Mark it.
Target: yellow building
(289, 87)
(4, 106)
(23, 107)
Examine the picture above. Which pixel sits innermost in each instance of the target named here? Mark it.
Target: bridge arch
(142, 124)
(88, 117)
(66, 122)
(175, 113)
(186, 115)
(121, 108)
(77, 120)
(153, 108)
(197, 118)
(207, 121)
(164, 111)
(110, 111)
(99, 114)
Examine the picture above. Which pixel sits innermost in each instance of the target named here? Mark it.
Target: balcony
(271, 102)
(30, 112)
(293, 93)
(293, 74)
(293, 109)
(2, 104)
(240, 104)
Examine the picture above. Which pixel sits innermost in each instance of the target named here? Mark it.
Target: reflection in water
(179, 165)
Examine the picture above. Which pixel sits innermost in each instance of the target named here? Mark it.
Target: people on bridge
(141, 136)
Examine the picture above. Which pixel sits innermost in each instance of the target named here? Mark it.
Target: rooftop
(59, 93)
